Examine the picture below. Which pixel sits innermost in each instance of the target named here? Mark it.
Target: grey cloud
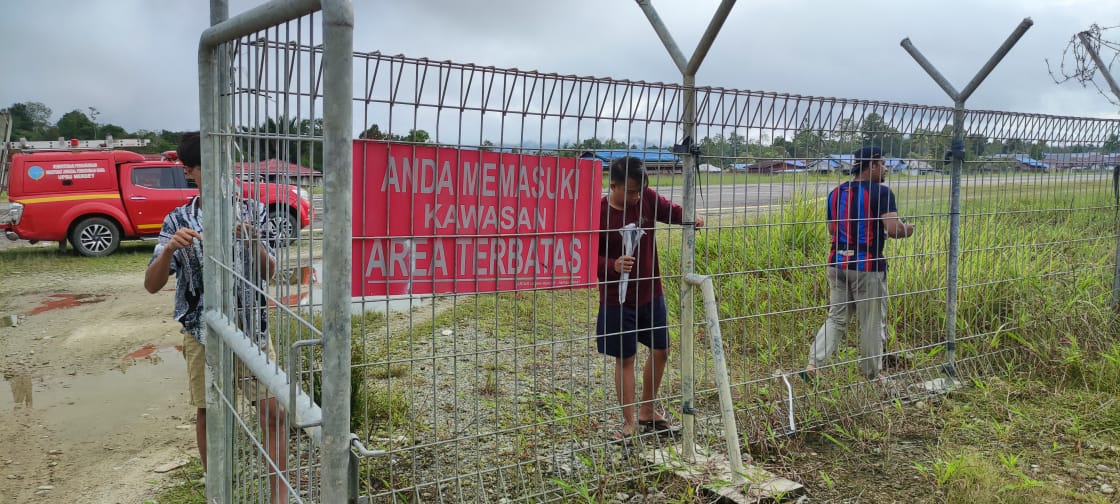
(134, 60)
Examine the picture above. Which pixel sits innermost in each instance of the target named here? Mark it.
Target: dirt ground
(94, 402)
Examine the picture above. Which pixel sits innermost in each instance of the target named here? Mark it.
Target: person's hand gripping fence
(631, 233)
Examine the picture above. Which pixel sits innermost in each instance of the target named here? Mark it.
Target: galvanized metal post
(215, 115)
(688, 267)
(1087, 43)
(213, 110)
(688, 70)
(957, 153)
(956, 148)
(338, 75)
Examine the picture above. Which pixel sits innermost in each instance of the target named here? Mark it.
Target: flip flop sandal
(660, 426)
(626, 440)
(813, 378)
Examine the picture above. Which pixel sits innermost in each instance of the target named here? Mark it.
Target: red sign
(435, 220)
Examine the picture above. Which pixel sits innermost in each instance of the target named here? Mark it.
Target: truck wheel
(95, 237)
(283, 226)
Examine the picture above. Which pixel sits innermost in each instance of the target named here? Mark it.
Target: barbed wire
(1082, 68)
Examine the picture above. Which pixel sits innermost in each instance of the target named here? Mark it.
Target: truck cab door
(151, 192)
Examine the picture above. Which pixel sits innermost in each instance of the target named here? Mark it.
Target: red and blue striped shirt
(858, 236)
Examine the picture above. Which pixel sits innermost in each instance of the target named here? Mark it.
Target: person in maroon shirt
(640, 316)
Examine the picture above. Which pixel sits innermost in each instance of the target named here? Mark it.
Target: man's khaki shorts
(195, 353)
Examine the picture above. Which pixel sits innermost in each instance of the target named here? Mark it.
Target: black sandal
(660, 426)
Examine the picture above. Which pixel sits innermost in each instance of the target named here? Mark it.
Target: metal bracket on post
(956, 156)
(690, 148)
(294, 381)
(687, 146)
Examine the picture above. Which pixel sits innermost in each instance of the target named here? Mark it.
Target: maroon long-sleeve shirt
(645, 277)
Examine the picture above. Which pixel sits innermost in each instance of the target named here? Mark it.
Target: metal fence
(506, 391)
(480, 381)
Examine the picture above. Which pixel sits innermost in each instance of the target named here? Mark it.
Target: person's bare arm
(894, 226)
(251, 237)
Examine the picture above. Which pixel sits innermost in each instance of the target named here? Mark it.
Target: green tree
(30, 120)
(807, 143)
(373, 133)
(1037, 149)
(846, 137)
(877, 132)
(977, 144)
(786, 146)
(737, 146)
(1111, 145)
(75, 124)
(158, 141)
(111, 130)
(594, 144)
(417, 136)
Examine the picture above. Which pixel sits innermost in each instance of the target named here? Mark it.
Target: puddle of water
(60, 301)
(88, 406)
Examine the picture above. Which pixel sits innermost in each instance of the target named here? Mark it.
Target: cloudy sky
(135, 60)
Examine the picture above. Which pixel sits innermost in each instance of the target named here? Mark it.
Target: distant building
(844, 162)
(896, 164)
(1015, 162)
(777, 166)
(918, 167)
(654, 160)
(1081, 161)
(831, 163)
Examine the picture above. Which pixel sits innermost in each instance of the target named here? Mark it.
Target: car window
(158, 177)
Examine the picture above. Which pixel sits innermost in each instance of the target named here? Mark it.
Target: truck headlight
(15, 213)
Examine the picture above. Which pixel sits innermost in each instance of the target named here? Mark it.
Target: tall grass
(1034, 269)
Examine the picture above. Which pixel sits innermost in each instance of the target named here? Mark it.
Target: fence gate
(275, 90)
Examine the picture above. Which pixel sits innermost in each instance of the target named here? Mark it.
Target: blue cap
(862, 157)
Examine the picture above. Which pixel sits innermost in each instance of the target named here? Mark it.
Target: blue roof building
(652, 159)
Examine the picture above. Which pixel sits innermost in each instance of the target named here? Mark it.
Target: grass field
(1038, 419)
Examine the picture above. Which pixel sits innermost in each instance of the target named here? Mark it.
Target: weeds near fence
(1024, 286)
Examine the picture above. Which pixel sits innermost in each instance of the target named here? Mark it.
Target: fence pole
(957, 152)
(691, 156)
(219, 418)
(719, 361)
(338, 75)
(5, 136)
(1085, 41)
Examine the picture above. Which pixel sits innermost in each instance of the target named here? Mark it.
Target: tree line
(294, 140)
(283, 138)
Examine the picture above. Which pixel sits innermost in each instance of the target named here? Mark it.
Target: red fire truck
(93, 196)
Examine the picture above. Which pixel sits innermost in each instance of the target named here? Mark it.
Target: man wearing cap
(862, 214)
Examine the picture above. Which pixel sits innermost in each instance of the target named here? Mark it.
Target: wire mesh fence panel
(481, 220)
(484, 379)
(497, 331)
(271, 163)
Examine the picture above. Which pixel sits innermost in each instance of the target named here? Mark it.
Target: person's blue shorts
(619, 329)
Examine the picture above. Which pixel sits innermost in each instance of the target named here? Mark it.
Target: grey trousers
(865, 294)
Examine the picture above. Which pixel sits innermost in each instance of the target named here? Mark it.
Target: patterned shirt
(858, 237)
(186, 265)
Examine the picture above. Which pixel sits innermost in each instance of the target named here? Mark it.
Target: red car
(96, 198)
